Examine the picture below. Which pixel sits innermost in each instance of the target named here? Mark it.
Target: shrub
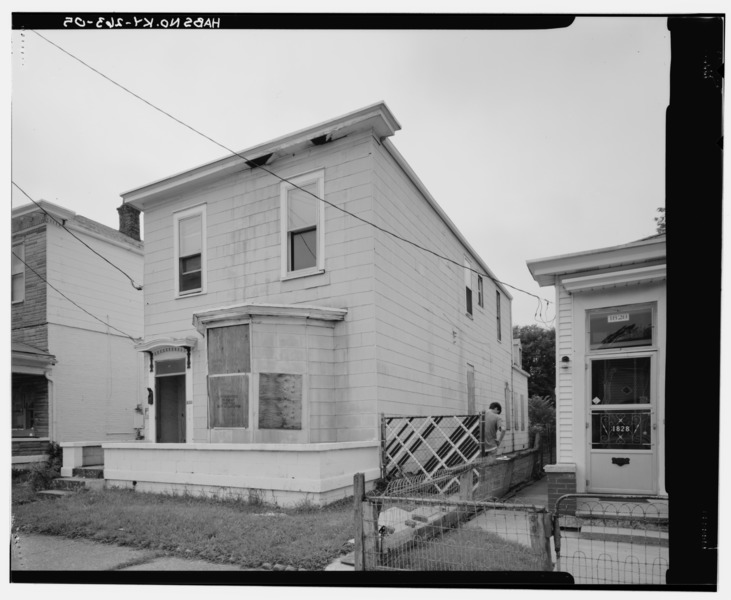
(541, 417)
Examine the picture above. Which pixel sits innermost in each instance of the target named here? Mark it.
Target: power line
(63, 225)
(253, 165)
(70, 300)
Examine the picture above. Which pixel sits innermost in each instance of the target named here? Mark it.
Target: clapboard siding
(565, 414)
(93, 283)
(243, 265)
(424, 338)
(98, 382)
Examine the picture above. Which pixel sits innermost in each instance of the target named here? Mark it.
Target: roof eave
(377, 117)
(545, 270)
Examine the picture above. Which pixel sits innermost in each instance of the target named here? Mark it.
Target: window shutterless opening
(302, 223)
(190, 251)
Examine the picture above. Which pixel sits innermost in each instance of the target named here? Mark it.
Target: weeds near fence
(463, 550)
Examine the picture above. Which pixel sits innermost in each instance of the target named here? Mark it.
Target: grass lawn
(228, 531)
(465, 550)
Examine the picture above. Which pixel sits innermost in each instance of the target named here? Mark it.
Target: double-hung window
(190, 227)
(302, 222)
(480, 292)
(18, 274)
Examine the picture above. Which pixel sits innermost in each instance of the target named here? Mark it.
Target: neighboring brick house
(279, 327)
(73, 378)
(610, 368)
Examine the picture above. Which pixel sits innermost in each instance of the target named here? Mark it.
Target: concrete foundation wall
(282, 474)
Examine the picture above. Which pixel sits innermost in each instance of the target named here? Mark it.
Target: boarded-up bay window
(229, 365)
(280, 401)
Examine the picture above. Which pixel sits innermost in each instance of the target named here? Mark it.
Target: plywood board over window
(280, 401)
(229, 365)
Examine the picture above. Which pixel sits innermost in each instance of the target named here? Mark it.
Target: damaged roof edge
(377, 116)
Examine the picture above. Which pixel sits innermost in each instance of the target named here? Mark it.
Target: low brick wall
(498, 476)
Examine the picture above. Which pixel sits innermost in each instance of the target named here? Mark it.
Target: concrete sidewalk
(30, 552)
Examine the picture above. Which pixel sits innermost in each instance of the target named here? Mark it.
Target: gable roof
(74, 222)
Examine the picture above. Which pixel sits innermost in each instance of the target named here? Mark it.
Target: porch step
(55, 493)
(89, 472)
(75, 484)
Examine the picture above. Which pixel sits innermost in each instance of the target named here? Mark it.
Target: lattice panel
(425, 448)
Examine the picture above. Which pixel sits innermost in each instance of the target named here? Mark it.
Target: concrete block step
(89, 472)
(69, 483)
(55, 493)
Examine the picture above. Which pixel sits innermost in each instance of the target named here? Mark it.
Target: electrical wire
(70, 300)
(253, 165)
(63, 225)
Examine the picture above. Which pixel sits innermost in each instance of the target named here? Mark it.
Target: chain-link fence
(617, 539)
(430, 531)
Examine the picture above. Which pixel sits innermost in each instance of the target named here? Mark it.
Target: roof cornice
(546, 270)
(376, 117)
(242, 312)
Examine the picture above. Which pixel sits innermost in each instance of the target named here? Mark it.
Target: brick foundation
(561, 480)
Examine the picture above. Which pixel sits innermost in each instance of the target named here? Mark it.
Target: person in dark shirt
(494, 429)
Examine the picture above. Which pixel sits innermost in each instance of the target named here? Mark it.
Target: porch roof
(26, 357)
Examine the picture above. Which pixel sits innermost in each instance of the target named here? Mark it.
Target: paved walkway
(30, 552)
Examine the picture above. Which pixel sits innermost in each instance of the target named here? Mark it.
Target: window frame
(652, 306)
(244, 376)
(318, 178)
(469, 306)
(480, 292)
(179, 216)
(498, 316)
(21, 273)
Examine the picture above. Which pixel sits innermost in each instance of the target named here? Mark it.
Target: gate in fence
(431, 531)
(425, 445)
(612, 539)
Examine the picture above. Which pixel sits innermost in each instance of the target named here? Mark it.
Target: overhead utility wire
(70, 300)
(253, 165)
(63, 225)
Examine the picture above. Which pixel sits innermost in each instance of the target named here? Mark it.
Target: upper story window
(497, 313)
(480, 292)
(303, 224)
(468, 285)
(621, 327)
(190, 251)
(18, 273)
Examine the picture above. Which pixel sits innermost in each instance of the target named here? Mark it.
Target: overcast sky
(535, 143)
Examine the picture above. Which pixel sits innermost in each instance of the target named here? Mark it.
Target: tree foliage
(660, 221)
(539, 358)
(541, 417)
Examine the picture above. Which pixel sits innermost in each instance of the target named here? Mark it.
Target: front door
(621, 380)
(170, 394)
(622, 444)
